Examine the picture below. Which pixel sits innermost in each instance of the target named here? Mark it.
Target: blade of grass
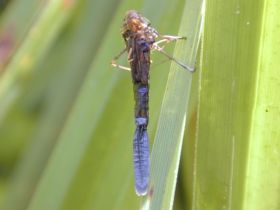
(264, 159)
(225, 114)
(168, 141)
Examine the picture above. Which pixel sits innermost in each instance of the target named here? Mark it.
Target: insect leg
(169, 38)
(185, 66)
(114, 61)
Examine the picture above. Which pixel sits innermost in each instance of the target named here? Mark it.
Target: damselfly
(140, 39)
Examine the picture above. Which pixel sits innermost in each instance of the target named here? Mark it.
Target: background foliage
(66, 117)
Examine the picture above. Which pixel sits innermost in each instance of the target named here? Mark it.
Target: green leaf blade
(168, 141)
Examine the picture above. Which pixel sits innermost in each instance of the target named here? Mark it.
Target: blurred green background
(66, 116)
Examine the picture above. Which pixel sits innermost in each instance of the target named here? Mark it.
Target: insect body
(140, 39)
